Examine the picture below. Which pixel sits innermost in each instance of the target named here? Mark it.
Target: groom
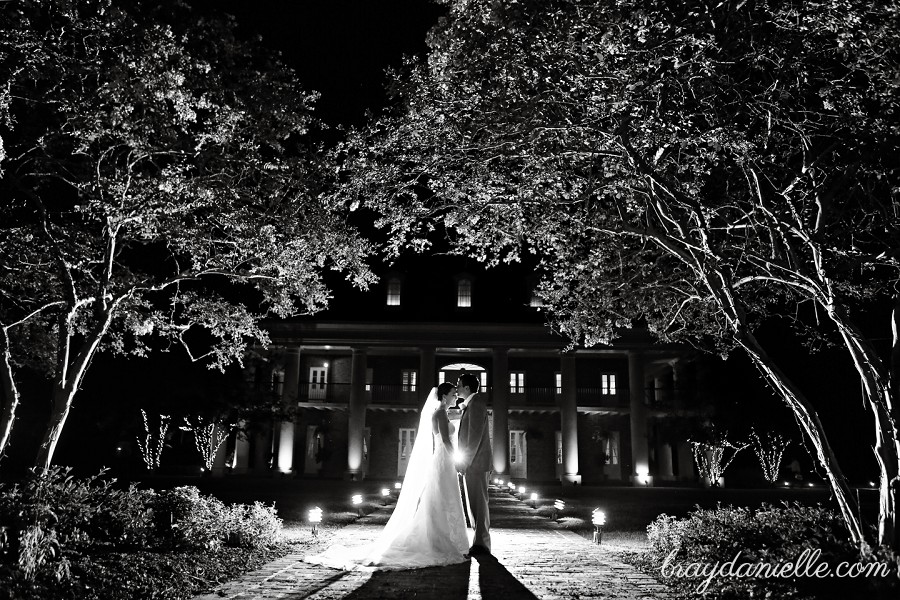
(475, 461)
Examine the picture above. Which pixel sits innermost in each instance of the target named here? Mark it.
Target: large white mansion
(614, 413)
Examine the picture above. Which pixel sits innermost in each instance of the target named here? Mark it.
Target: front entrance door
(406, 439)
(314, 442)
(518, 456)
(318, 379)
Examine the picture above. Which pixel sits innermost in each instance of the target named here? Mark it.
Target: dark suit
(475, 446)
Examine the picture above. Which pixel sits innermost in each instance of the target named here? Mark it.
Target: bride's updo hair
(444, 389)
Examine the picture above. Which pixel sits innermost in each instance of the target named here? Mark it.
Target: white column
(289, 394)
(500, 405)
(640, 454)
(357, 421)
(568, 410)
(241, 462)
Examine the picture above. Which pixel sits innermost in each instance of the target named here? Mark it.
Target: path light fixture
(397, 487)
(357, 502)
(534, 498)
(558, 506)
(500, 482)
(521, 491)
(598, 517)
(315, 517)
(384, 496)
(512, 488)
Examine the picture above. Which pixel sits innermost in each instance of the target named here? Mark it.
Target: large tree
(698, 165)
(158, 176)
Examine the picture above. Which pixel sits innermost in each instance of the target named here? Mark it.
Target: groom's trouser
(477, 496)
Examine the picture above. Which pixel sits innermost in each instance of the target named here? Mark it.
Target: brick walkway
(531, 559)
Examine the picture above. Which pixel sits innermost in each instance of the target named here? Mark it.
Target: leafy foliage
(772, 535)
(697, 167)
(627, 144)
(159, 178)
(51, 518)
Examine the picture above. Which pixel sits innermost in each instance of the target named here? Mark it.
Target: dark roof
(428, 293)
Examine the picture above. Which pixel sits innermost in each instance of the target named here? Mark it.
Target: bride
(427, 527)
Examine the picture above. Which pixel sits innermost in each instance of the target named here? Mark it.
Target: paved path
(531, 559)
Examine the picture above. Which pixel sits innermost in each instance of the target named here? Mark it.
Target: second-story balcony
(413, 396)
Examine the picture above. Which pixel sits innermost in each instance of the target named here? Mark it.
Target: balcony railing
(404, 395)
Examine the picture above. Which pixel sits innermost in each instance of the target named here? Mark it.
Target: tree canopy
(159, 178)
(698, 166)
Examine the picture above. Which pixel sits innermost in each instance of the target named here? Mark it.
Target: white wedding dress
(427, 527)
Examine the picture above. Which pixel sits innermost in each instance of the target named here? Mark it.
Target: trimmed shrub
(693, 552)
(187, 520)
(56, 511)
(47, 516)
(252, 526)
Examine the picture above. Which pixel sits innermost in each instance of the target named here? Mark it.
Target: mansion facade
(616, 413)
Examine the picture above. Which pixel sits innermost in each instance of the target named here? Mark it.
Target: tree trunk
(806, 415)
(877, 388)
(9, 395)
(68, 380)
(62, 398)
(802, 408)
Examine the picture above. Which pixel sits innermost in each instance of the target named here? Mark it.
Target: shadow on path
(315, 587)
(495, 582)
(436, 583)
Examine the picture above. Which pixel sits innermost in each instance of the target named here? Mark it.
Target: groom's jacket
(474, 437)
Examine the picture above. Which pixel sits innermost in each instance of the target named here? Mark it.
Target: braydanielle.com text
(806, 565)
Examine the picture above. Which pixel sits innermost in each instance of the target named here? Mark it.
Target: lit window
(278, 382)
(608, 384)
(369, 373)
(409, 381)
(517, 383)
(393, 292)
(558, 377)
(464, 293)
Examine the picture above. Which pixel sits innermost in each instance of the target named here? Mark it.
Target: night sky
(339, 48)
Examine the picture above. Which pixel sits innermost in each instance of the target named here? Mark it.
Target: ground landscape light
(398, 485)
(598, 517)
(357, 501)
(558, 506)
(384, 494)
(315, 517)
(534, 498)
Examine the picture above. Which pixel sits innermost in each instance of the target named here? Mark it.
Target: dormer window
(464, 293)
(393, 292)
